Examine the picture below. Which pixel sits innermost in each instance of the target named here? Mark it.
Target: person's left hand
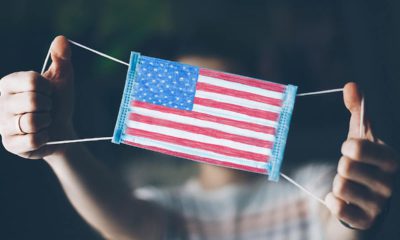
(365, 173)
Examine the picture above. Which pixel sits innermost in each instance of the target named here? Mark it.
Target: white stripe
(195, 152)
(198, 137)
(237, 101)
(233, 115)
(240, 87)
(203, 123)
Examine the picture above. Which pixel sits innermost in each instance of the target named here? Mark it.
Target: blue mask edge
(274, 166)
(127, 98)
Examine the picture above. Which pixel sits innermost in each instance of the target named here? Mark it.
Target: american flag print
(205, 115)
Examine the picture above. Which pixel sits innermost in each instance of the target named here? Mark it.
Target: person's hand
(365, 173)
(35, 109)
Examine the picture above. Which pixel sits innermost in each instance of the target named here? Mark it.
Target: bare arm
(104, 201)
(34, 109)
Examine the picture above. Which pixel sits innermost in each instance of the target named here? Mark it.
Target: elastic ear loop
(290, 180)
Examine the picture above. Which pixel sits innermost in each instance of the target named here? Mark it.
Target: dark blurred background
(315, 45)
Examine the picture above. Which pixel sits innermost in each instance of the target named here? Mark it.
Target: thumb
(61, 67)
(352, 97)
(60, 75)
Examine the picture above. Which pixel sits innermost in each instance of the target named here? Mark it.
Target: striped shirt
(256, 210)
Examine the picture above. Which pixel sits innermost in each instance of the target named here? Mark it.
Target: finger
(33, 122)
(366, 175)
(27, 102)
(20, 144)
(24, 82)
(368, 152)
(348, 213)
(61, 59)
(26, 123)
(352, 100)
(359, 195)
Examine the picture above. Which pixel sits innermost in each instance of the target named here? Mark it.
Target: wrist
(58, 151)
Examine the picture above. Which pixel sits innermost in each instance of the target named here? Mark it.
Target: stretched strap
(127, 64)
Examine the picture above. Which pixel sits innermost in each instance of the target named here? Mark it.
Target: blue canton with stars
(166, 83)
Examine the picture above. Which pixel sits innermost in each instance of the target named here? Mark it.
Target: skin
(43, 105)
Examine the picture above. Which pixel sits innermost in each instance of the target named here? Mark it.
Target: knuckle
(365, 222)
(359, 147)
(340, 187)
(345, 167)
(385, 189)
(32, 101)
(339, 209)
(374, 209)
(32, 80)
(32, 123)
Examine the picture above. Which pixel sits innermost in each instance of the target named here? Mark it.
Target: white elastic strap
(303, 189)
(45, 62)
(79, 140)
(320, 92)
(362, 110)
(127, 64)
(99, 53)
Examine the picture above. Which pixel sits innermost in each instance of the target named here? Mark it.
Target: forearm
(104, 201)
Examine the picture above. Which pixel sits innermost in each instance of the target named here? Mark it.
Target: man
(35, 109)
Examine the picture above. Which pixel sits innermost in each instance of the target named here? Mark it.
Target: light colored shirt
(255, 210)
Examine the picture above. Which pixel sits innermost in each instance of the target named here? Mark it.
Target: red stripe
(207, 117)
(199, 159)
(235, 93)
(200, 130)
(236, 108)
(243, 80)
(198, 145)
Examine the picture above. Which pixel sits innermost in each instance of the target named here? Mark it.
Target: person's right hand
(35, 109)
